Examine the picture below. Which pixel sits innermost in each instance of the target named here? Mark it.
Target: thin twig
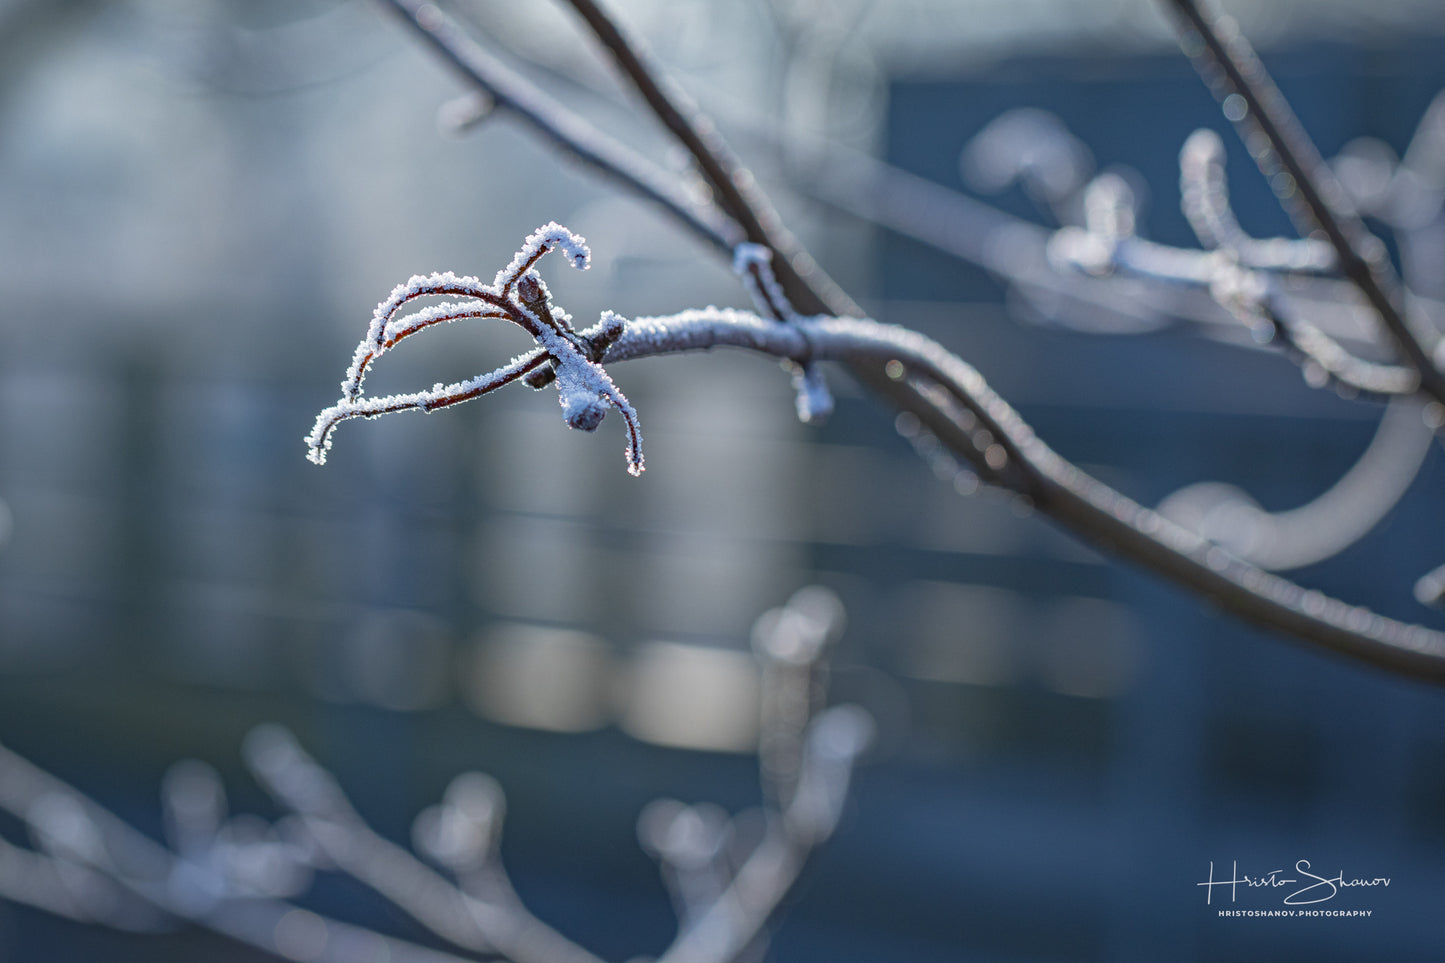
(1251, 297)
(734, 920)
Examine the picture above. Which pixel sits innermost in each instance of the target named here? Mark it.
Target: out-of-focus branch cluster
(1268, 285)
(248, 879)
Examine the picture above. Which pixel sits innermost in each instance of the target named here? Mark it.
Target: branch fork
(564, 355)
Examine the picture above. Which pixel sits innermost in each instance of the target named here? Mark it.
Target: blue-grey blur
(200, 204)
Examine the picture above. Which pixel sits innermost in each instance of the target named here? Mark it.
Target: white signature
(1315, 892)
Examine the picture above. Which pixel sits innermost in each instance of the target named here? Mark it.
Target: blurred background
(200, 204)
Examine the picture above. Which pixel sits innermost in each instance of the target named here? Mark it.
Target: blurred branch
(735, 191)
(238, 876)
(1238, 272)
(806, 785)
(1328, 524)
(483, 926)
(1229, 65)
(98, 869)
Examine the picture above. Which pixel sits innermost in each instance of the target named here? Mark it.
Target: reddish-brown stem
(458, 316)
(506, 375)
(511, 281)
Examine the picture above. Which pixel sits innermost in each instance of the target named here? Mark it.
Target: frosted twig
(1204, 194)
(517, 295)
(753, 264)
(1229, 65)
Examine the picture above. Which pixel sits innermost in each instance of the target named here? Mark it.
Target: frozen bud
(608, 330)
(582, 409)
(530, 289)
(814, 400)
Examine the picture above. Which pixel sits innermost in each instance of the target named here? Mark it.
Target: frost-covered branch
(952, 401)
(980, 427)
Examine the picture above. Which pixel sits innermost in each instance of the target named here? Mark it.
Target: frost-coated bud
(582, 409)
(814, 400)
(530, 290)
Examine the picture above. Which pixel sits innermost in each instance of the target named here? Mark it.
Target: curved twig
(1204, 197)
(1329, 523)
